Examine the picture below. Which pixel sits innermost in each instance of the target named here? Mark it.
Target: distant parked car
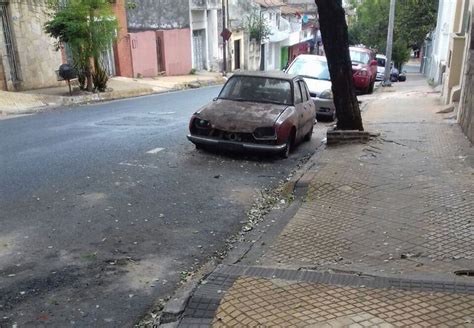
(364, 68)
(381, 60)
(314, 69)
(257, 111)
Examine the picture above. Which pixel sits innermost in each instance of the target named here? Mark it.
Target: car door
(309, 112)
(299, 108)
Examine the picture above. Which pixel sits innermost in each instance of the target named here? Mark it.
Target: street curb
(300, 181)
(174, 308)
(80, 100)
(200, 84)
(108, 96)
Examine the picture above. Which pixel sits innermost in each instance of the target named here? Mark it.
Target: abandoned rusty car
(257, 111)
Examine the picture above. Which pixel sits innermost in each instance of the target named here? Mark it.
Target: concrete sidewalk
(383, 237)
(15, 103)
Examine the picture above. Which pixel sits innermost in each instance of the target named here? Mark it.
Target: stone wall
(158, 15)
(466, 106)
(36, 55)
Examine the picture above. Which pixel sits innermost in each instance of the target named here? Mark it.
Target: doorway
(199, 49)
(237, 54)
(262, 57)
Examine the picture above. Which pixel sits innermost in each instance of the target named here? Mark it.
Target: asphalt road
(103, 206)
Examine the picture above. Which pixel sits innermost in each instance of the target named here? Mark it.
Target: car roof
(380, 56)
(314, 57)
(360, 49)
(272, 75)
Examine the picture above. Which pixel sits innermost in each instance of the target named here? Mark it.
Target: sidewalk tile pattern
(401, 204)
(260, 302)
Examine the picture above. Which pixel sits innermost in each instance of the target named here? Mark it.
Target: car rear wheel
(371, 87)
(309, 135)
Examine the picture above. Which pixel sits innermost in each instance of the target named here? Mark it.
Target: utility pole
(391, 23)
(224, 41)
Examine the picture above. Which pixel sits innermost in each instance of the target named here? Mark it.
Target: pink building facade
(144, 54)
(174, 46)
(162, 52)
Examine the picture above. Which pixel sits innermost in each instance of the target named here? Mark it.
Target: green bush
(257, 26)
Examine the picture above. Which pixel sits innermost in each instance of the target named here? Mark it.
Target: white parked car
(314, 69)
(381, 60)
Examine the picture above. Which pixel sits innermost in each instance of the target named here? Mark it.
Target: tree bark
(90, 60)
(333, 27)
(88, 74)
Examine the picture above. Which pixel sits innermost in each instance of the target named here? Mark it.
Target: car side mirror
(373, 63)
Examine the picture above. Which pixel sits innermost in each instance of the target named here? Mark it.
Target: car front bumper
(235, 145)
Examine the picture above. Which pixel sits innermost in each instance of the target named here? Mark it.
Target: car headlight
(264, 133)
(326, 94)
(202, 124)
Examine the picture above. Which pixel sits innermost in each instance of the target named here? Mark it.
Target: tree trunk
(90, 60)
(333, 27)
(88, 74)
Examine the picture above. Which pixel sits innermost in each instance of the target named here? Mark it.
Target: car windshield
(381, 62)
(310, 68)
(359, 57)
(257, 89)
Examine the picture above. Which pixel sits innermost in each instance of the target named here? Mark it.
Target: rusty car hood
(240, 116)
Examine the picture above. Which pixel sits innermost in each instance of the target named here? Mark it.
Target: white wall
(213, 39)
(441, 37)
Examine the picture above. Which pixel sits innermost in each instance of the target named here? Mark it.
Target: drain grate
(464, 273)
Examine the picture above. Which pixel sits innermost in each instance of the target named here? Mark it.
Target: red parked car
(364, 68)
(256, 111)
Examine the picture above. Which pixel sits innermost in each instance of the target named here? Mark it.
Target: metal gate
(108, 61)
(198, 46)
(159, 55)
(10, 48)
